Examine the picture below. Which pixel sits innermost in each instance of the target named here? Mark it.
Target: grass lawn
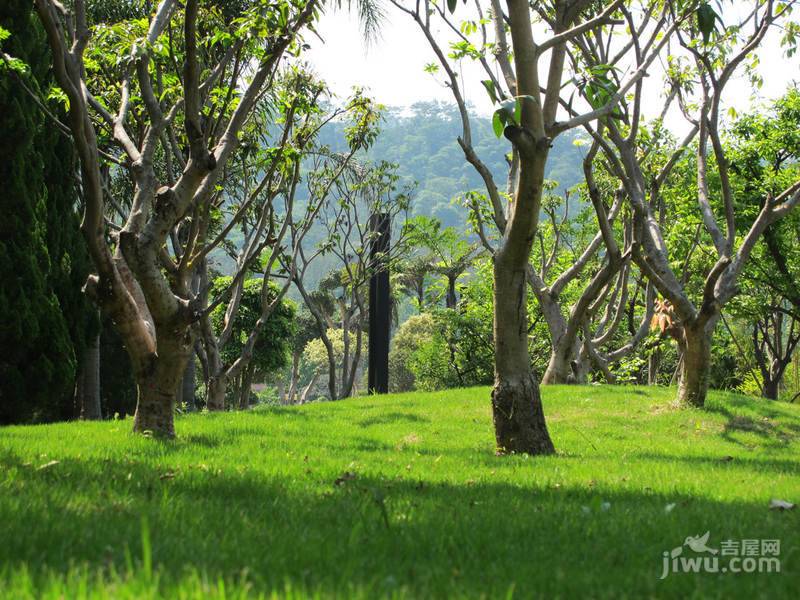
(401, 496)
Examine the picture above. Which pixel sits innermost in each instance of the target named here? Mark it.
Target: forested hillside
(422, 141)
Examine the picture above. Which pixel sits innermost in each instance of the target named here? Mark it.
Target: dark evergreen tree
(44, 318)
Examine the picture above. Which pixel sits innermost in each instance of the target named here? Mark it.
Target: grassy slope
(247, 503)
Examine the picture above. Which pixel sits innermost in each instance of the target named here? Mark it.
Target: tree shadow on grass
(372, 535)
(732, 463)
(393, 417)
(760, 421)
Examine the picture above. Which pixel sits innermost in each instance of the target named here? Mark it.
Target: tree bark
(516, 402)
(564, 362)
(304, 394)
(90, 380)
(157, 381)
(215, 393)
(247, 385)
(653, 363)
(187, 385)
(217, 382)
(451, 300)
(771, 388)
(695, 367)
(281, 385)
(295, 376)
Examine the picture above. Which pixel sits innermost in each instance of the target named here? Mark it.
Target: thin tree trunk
(343, 386)
(516, 402)
(217, 382)
(247, 385)
(653, 363)
(304, 395)
(349, 385)
(695, 367)
(293, 382)
(451, 300)
(77, 408)
(90, 382)
(187, 385)
(281, 391)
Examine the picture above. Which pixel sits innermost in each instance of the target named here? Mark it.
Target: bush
(410, 337)
(458, 354)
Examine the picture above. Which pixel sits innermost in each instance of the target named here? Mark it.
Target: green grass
(401, 496)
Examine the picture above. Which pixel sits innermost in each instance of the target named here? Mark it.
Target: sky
(392, 67)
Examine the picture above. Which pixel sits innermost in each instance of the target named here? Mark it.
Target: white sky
(392, 68)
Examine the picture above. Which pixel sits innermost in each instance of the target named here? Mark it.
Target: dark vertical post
(379, 306)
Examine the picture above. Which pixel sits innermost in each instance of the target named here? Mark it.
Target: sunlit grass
(400, 496)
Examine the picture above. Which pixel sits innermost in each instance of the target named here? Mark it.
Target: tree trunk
(157, 380)
(771, 388)
(187, 385)
(215, 393)
(90, 380)
(77, 404)
(304, 394)
(217, 382)
(349, 385)
(281, 385)
(246, 388)
(343, 388)
(451, 300)
(564, 363)
(294, 381)
(516, 402)
(695, 367)
(653, 363)
(559, 368)
(586, 360)
(154, 409)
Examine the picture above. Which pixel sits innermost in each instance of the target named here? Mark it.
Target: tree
(764, 148)
(413, 276)
(271, 351)
(305, 332)
(449, 255)
(528, 120)
(410, 336)
(264, 203)
(712, 66)
(45, 322)
(187, 83)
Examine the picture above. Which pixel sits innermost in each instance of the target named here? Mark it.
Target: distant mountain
(422, 140)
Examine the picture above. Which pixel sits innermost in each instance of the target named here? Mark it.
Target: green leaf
(499, 122)
(706, 21)
(489, 85)
(600, 89)
(451, 5)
